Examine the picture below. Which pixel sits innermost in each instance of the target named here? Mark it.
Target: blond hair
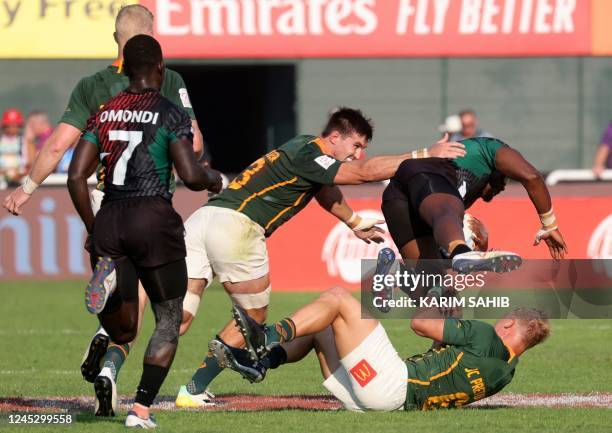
(533, 323)
(133, 20)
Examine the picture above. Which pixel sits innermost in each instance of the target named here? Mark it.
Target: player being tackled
(425, 202)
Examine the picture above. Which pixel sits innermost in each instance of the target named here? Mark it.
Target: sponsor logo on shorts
(363, 373)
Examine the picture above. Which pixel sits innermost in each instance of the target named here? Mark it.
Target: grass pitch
(44, 330)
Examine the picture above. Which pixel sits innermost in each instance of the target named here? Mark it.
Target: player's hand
(372, 234)
(554, 241)
(366, 223)
(447, 149)
(89, 243)
(480, 234)
(366, 229)
(217, 181)
(15, 200)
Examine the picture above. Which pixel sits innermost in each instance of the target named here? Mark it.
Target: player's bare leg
(120, 320)
(253, 295)
(336, 307)
(323, 344)
(444, 213)
(102, 352)
(293, 351)
(166, 286)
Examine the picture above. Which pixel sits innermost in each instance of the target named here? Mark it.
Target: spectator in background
(603, 156)
(11, 148)
(469, 126)
(37, 129)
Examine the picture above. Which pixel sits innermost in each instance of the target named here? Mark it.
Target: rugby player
(425, 202)
(138, 136)
(362, 368)
(262, 198)
(89, 95)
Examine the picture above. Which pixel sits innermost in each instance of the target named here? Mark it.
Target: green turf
(44, 330)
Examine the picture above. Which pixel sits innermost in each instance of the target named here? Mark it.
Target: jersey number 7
(133, 138)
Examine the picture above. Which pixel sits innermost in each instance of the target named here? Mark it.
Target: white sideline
(575, 175)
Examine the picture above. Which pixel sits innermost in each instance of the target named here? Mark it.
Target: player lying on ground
(425, 202)
(362, 368)
(227, 236)
(137, 235)
(87, 97)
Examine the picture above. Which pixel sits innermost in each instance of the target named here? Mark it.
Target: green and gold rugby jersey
(474, 169)
(280, 184)
(475, 364)
(93, 92)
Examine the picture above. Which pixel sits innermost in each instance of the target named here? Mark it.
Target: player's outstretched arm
(196, 176)
(46, 162)
(381, 168)
(82, 165)
(512, 164)
(332, 200)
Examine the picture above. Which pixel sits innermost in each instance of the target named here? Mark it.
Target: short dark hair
(466, 111)
(141, 54)
(348, 120)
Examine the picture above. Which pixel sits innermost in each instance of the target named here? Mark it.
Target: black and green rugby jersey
(133, 133)
(92, 92)
(280, 184)
(475, 364)
(474, 169)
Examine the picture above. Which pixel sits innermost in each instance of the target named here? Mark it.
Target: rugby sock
(275, 358)
(115, 357)
(208, 370)
(281, 332)
(458, 247)
(151, 380)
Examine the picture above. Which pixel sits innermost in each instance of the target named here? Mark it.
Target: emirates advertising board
(315, 28)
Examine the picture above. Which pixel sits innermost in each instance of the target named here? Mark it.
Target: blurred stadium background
(537, 72)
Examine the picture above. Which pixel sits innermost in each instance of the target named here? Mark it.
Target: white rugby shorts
(371, 377)
(225, 243)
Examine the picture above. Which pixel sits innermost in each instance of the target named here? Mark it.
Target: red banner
(312, 252)
(376, 28)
